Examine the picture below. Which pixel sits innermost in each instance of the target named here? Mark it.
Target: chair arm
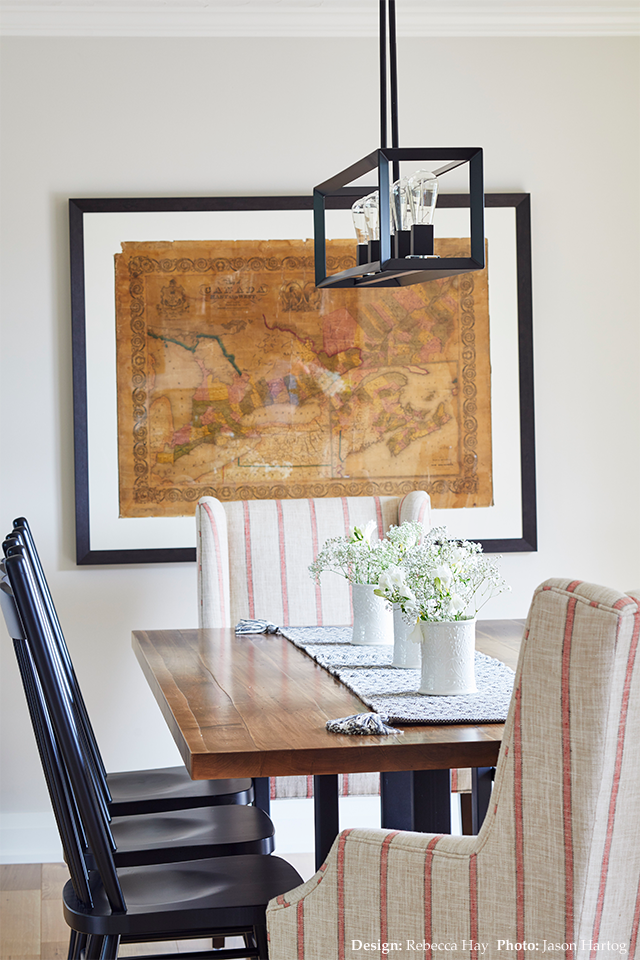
(365, 892)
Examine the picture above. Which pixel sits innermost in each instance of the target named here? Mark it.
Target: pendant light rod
(393, 73)
(383, 74)
(389, 84)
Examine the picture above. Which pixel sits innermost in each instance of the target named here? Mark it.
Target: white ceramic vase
(406, 653)
(448, 657)
(372, 616)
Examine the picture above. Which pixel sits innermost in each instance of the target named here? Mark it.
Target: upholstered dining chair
(556, 865)
(253, 558)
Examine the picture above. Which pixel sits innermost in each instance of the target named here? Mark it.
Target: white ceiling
(320, 18)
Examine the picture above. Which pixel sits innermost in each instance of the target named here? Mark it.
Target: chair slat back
(22, 531)
(64, 807)
(14, 545)
(66, 730)
(22, 535)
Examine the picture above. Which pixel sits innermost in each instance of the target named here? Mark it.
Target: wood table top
(256, 706)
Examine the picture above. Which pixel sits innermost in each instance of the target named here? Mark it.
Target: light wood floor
(32, 926)
(31, 923)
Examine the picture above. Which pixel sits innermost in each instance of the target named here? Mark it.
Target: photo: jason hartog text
(489, 949)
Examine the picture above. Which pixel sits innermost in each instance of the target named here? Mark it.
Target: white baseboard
(29, 838)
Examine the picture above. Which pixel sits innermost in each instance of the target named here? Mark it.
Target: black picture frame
(81, 324)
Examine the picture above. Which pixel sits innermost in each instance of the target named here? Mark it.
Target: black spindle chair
(109, 905)
(135, 791)
(157, 837)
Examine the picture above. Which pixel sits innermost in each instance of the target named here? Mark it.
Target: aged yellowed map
(239, 379)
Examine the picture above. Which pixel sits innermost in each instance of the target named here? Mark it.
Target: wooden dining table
(257, 706)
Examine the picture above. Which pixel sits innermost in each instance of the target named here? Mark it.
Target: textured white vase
(372, 616)
(406, 653)
(448, 658)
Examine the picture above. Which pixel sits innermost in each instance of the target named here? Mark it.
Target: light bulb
(360, 220)
(371, 204)
(423, 192)
(401, 218)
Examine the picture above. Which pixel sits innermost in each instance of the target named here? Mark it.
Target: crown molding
(317, 18)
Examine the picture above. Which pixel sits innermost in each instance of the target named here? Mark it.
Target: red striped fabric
(572, 586)
(345, 515)
(633, 939)
(300, 919)
(216, 542)
(517, 803)
(428, 902)
(567, 812)
(423, 510)
(247, 551)
(314, 540)
(376, 500)
(283, 564)
(340, 885)
(622, 729)
(347, 527)
(384, 862)
(622, 602)
(473, 904)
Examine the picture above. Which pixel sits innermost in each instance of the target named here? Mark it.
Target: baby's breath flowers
(441, 578)
(359, 559)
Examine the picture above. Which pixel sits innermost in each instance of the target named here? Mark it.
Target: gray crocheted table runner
(367, 671)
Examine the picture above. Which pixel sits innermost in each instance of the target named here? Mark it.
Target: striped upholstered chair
(557, 860)
(253, 558)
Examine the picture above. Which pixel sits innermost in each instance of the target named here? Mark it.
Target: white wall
(163, 117)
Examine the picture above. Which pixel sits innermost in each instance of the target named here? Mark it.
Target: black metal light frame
(389, 270)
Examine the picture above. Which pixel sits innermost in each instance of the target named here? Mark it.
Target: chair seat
(172, 836)
(189, 899)
(171, 788)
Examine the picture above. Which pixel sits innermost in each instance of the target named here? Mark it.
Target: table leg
(481, 780)
(262, 793)
(416, 800)
(325, 811)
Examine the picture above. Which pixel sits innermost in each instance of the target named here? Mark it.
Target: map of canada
(238, 378)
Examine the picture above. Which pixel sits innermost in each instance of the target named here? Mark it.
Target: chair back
(254, 555)
(563, 817)
(21, 534)
(67, 766)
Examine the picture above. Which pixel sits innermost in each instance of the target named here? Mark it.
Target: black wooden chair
(137, 791)
(160, 836)
(107, 905)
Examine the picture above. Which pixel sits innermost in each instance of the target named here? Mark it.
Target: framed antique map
(206, 362)
(250, 383)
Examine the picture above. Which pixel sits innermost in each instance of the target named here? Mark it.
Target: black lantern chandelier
(394, 222)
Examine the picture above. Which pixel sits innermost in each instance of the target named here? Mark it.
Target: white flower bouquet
(359, 559)
(441, 578)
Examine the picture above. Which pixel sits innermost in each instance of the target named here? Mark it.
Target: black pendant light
(393, 221)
